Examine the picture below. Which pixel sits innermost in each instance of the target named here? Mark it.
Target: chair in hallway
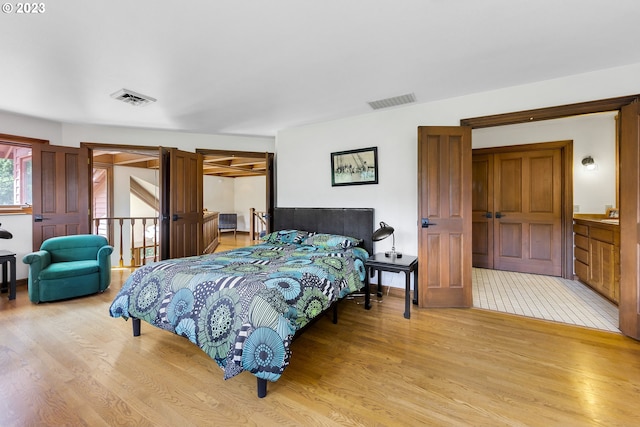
(228, 222)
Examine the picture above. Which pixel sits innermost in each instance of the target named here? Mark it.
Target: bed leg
(136, 326)
(262, 387)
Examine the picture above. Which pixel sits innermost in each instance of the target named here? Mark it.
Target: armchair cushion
(69, 269)
(69, 266)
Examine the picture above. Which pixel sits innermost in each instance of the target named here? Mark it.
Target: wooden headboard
(354, 222)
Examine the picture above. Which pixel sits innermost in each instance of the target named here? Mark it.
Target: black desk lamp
(4, 234)
(382, 233)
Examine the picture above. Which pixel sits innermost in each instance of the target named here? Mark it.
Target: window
(16, 168)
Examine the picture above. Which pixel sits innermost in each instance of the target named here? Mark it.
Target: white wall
(250, 192)
(303, 153)
(21, 242)
(592, 134)
(17, 124)
(122, 204)
(235, 195)
(73, 134)
(219, 194)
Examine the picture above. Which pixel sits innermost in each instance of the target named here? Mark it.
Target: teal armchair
(69, 266)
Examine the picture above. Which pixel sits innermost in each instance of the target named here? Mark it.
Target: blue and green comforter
(242, 307)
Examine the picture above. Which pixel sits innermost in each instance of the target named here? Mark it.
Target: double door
(517, 210)
(61, 197)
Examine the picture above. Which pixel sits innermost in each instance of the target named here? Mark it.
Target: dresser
(597, 255)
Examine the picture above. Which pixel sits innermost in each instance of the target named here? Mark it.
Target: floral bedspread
(242, 307)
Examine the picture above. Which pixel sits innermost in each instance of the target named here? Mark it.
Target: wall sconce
(589, 164)
(382, 233)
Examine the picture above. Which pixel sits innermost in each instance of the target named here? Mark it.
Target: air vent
(132, 98)
(393, 102)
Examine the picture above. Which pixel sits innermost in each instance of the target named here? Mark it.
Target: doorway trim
(549, 113)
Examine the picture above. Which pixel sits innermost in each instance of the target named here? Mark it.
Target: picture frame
(613, 213)
(354, 167)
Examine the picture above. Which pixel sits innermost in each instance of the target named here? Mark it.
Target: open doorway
(241, 186)
(592, 193)
(136, 170)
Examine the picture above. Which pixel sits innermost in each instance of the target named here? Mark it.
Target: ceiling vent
(393, 102)
(132, 98)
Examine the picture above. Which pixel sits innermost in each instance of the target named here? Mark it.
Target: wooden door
(60, 192)
(528, 212)
(629, 306)
(181, 203)
(185, 204)
(444, 211)
(482, 210)
(517, 209)
(270, 184)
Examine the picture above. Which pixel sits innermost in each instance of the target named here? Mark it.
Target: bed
(244, 307)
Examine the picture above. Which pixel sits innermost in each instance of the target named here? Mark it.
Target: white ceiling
(252, 67)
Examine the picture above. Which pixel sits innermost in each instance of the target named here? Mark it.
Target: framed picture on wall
(354, 167)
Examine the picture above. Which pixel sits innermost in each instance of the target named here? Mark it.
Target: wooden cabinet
(597, 256)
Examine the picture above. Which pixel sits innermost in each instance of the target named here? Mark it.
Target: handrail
(258, 224)
(142, 235)
(139, 238)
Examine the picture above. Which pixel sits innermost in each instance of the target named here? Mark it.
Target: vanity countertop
(603, 221)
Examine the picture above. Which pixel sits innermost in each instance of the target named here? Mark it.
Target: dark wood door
(60, 192)
(270, 187)
(185, 204)
(444, 200)
(528, 212)
(629, 306)
(482, 210)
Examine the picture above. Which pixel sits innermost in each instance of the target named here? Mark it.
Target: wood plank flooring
(69, 363)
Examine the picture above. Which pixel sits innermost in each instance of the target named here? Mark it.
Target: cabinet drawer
(581, 229)
(581, 242)
(582, 271)
(581, 255)
(602, 234)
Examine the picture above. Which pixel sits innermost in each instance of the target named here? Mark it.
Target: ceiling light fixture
(132, 98)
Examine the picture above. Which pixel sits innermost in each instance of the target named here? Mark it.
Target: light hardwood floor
(229, 241)
(69, 363)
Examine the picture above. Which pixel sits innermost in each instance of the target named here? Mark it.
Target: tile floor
(543, 297)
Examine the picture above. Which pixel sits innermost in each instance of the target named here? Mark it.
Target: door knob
(488, 215)
(424, 223)
(499, 215)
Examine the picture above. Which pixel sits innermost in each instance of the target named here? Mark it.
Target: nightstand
(8, 281)
(407, 264)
